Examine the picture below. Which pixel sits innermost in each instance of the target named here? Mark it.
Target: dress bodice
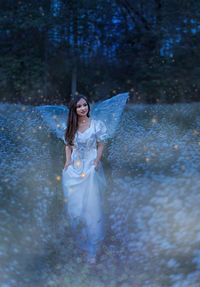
(84, 150)
(85, 142)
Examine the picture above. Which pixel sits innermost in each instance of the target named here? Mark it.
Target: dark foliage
(52, 48)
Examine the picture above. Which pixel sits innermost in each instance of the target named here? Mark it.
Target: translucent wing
(109, 111)
(55, 118)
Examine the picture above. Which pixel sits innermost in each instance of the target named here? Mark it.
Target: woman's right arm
(68, 151)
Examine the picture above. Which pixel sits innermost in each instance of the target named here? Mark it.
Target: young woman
(83, 176)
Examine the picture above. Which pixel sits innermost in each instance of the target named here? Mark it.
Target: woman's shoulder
(99, 125)
(100, 130)
(97, 122)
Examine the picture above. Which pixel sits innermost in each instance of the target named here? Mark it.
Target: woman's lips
(83, 112)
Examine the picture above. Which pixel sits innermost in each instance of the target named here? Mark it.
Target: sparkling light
(147, 159)
(58, 125)
(175, 146)
(195, 132)
(78, 163)
(58, 177)
(40, 127)
(83, 175)
(154, 120)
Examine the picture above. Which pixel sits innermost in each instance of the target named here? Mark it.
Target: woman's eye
(78, 107)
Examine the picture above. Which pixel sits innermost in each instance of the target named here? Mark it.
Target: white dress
(84, 188)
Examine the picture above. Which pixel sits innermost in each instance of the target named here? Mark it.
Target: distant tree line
(52, 49)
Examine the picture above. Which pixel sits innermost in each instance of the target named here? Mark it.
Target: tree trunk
(74, 80)
(75, 48)
(45, 64)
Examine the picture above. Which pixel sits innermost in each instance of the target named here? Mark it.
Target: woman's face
(81, 108)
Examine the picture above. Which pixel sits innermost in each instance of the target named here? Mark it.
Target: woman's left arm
(100, 148)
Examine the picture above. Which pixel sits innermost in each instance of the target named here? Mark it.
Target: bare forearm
(68, 151)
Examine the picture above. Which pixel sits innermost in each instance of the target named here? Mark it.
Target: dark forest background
(52, 49)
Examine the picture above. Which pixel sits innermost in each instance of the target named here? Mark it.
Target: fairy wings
(109, 111)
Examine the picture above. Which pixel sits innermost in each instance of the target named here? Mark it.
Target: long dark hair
(72, 120)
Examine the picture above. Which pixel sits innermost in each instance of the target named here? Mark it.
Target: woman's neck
(83, 119)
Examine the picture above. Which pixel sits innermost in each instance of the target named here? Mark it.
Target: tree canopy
(51, 49)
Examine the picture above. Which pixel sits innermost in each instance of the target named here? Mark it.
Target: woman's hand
(67, 164)
(96, 163)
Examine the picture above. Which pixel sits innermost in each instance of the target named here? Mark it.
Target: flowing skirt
(84, 194)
